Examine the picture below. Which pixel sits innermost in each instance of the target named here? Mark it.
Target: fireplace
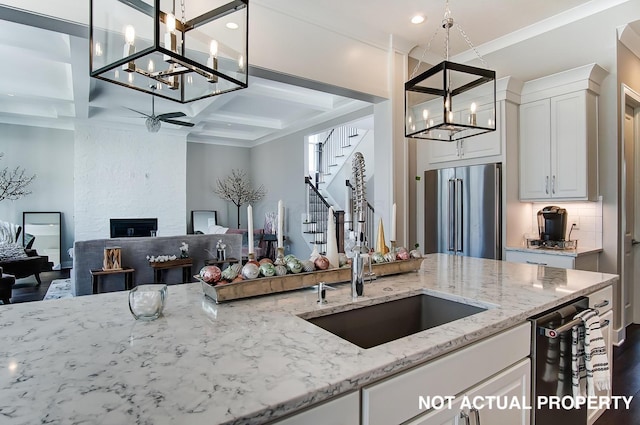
(133, 227)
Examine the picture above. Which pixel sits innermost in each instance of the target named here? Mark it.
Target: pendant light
(450, 101)
(183, 55)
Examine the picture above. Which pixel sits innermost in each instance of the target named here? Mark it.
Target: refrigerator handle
(460, 215)
(451, 226)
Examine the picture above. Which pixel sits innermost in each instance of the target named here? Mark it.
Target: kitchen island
(86, 360)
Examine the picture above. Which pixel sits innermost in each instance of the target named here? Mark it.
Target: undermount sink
(381, 323)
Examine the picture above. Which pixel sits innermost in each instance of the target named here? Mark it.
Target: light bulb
(130, 77)
(473, 107)
(150, 67)
(241, 62)
(213, 48)
(129, 34)
(170, 22)
(425, 114)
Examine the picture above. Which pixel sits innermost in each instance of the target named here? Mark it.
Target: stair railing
(317, 218)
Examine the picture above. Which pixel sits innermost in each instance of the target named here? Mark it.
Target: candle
(393, 222)
(472, 117)
(332, 243)
(280, 223)
(250, 228)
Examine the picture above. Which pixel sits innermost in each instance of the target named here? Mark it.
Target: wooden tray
(290, 282)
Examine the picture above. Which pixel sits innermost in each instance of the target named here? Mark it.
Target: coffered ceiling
(48, 83)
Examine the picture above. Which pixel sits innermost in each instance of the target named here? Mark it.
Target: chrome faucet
(359, 203)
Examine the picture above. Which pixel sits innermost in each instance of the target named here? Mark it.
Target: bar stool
(6, 284)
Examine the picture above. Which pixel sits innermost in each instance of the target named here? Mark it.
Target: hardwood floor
(26, 290)
(626, 380)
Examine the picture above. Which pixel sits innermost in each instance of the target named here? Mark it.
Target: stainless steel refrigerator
(463, 211)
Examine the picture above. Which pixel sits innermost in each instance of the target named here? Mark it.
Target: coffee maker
(552, 224)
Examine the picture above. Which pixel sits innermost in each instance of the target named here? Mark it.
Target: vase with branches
(14, 182)
(237, 189)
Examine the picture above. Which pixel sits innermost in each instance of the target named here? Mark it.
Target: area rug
(59, 288)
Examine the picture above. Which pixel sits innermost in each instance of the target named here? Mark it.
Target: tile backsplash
(589, 214)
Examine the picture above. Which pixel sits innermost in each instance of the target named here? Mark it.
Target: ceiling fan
(153, 121)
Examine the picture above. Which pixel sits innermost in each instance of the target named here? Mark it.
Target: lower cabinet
(344, 410)
(475, 367)
(489, 402)
(588, 262)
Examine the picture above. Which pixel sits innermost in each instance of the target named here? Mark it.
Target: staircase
(330, 157)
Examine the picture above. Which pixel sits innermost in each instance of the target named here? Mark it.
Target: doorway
(630, 267)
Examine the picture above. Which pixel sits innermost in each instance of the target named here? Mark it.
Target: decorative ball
(267, 269)
(402, 254)
(237, 267)
(377, 257)
(390, 256)
(294, 266)
(265, 260)
(308, 266)
(414, 253)
(238, 278)
(342, 259)
(250, 270)
(210, 274)
(281, 270)
(322, 262)
(229, 273)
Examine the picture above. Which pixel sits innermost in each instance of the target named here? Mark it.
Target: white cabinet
(344, 410)
(396, 399)
(480, 402)
(587, 261)
(559, 136)
(483, 145)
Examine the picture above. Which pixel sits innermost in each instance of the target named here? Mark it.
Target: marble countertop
(553, 251)
(86, 360)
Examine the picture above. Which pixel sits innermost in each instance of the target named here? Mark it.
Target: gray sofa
(88, 255)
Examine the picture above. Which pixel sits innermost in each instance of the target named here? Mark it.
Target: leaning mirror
(41, 231)
(201, 220)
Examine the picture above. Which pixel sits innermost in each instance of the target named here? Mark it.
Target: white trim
(629, 38)
(628, 96)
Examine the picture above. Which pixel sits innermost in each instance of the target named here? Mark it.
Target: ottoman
(6, 283)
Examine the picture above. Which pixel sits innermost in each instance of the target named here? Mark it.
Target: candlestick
(250, 228)
(280, 224)
(472, 117)
(393, 222)
(347, 204)
(332, 243)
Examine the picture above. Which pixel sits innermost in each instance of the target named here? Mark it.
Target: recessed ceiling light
(232, 25)
(10, 94)
(418, 19)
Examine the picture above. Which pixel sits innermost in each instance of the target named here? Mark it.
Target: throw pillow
(11, 251)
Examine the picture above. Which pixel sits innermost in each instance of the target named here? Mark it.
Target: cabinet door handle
(602, 304)
(604, 323)
(464, 416)
(546, 185)
(634, 242)
(537, 264)
(476, 414)
(553, 185)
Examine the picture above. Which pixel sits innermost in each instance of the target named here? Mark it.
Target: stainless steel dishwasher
(551, 363)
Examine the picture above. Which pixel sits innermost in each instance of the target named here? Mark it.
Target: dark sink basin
(380, 323)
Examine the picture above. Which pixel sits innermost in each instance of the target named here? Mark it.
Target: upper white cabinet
(486, 145)
(559, 136)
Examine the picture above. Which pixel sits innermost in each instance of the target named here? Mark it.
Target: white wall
(206, 164)
(48, 154)
(128, 174)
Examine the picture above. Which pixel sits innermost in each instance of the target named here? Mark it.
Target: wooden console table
(128, 277)
(221, 263)
(185, 263)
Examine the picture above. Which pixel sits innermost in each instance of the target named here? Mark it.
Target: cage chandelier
(450, 101)
(187, 56)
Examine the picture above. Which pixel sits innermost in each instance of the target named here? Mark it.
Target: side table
(128, 277)
(221, 263)
(185, 263)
